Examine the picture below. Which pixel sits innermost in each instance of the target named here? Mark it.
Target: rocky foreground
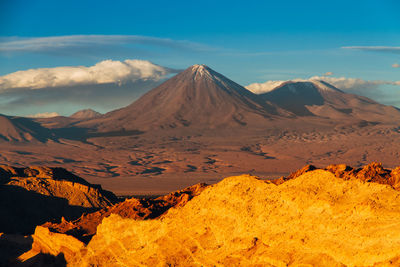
(35, 195)
(337, 216)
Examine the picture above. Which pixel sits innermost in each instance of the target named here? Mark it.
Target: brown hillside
(22, 130)
(319, 98)
(197, 97)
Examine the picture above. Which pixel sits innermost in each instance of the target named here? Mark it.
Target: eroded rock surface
(85, 227)
(373, 172)
(47, 242)
(315, 219)
(35, 195)
(337, 216)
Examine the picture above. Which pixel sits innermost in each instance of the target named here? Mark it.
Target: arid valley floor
(202, 127)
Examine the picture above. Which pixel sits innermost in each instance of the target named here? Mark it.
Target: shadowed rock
(145, 208)
(32, 196)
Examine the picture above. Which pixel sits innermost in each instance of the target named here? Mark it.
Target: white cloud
(44, 115)
(329, 73)
(343, 83)
(396, 65)
(107, 71)
(75, 42)
(353, 83)
(259, 88)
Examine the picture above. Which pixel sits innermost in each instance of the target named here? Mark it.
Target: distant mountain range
(201, 98)
(319, 98)
(197, 97)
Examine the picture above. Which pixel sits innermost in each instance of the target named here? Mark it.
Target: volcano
(197, 97)
(85, 114)
(319, 98)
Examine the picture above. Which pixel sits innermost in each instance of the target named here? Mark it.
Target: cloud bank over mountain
(354, 83)
(44, 115)
(343, 83)
(375, 89)
(107, 71)
(104, 86)
(259, 88)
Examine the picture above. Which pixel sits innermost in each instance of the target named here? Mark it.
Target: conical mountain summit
(321, 99)
(196, 97)
(201, 98)
(85, 114)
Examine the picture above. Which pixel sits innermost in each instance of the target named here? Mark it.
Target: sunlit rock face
(35, 195)
(336, 216)
(315, 219)
(135, 208)
(47, 242)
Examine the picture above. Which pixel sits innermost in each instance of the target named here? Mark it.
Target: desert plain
(200, 171)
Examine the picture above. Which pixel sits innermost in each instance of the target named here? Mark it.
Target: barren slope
(197, 97)
(15, 129)
(85, 114)
(323, 99)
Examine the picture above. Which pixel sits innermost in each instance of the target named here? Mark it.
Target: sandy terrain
(156, 164)
(200, 126)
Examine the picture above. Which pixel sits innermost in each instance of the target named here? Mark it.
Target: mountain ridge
(85, 114)
(198, 97)
(22, 130)
(321, 99)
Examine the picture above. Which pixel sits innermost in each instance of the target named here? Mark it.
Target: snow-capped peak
(202, 71)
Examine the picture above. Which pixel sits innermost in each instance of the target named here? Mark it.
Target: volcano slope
(321, 99)
(22, 130)
(197, 98)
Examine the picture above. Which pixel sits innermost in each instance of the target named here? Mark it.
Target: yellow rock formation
(57, 182)
(47, 242)
(315, 219)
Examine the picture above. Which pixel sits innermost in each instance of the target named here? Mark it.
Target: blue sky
(248, 41)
